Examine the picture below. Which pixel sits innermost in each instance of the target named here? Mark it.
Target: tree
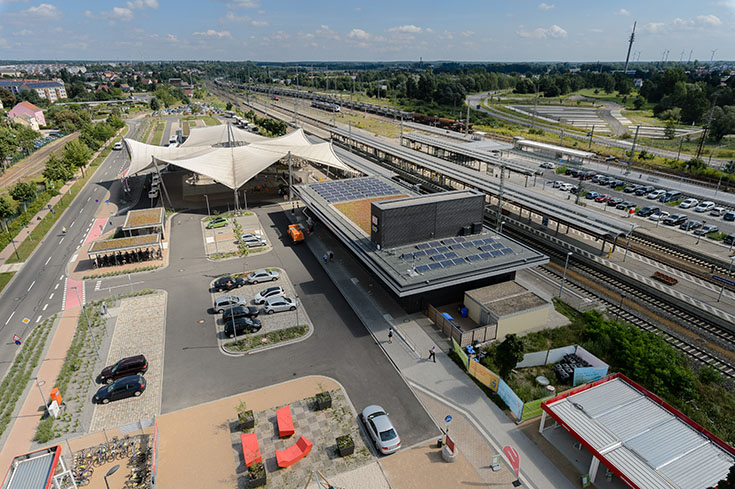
(7, 98)
(728, 483)
(723, 122)
(670, 129)
(57, 169)
(694, 105)
(508, 354)
(155, 104)
(639, 102)
(6, 210)
(23, 192)
(228, 106)
(76, 154)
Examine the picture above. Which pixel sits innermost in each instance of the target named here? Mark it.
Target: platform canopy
(234, 165)
(220, 134)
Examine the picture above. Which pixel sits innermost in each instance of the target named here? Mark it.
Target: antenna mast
(630, 46)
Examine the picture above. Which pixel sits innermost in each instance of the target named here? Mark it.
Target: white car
(717, 211)
(705, 206)
(557, 184)
(548, 164)
(279, 303)
(153, 194)
(381, 429)
(566, 187)
(262, 276)
(265, 294)
(117, 146)
(659, 217)
(689, 203)
(655, 194)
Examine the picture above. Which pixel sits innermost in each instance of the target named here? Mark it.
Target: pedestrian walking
(63, 230)
(390, 335)
(331, 256)
(326, 257)
(432, 353)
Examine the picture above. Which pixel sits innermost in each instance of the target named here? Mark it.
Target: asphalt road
(196, 371)
(37, 290)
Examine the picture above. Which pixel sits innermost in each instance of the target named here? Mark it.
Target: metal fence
(480, 334)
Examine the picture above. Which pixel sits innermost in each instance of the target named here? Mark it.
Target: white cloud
(171, 37)
(654, 27)
(358, 34)
(24, 32)
(259, 23)
(118, 13)
(594, 29)
(214, 33)
(711, 20)
(142, 4)
(233, 17)
(44, 10)
(700, 22)
(4, 44)
(246, 3)
(468, 33)
(545, 6)
(622, 11)
(554, 31)
(406, 29)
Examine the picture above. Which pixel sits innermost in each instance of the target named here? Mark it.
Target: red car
(602, 198)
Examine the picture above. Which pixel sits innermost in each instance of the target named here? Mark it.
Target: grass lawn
(158, 133)
(5, 278)
(210, 121)
(358, 211)
(643, 117)
(608, 97)
(375, 126)
(185, 128)
(148, 130)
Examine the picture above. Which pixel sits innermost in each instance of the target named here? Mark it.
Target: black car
(644, 190)
(631, 188)
(240, 312)
(625, 205)
(729, 239)
(614, 201)
(241, 325)
(133, 385)
(648, 210)
(691, 225)
(675, 220)
(616, 183)
(228, 283)
(123, 368)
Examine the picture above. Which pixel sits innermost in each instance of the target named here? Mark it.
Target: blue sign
(447, 419)
(107, 201)
(724, 280)
(511, 399)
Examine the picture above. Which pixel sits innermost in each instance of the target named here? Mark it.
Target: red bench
(285, 423)
(250, 449)
(294, 453)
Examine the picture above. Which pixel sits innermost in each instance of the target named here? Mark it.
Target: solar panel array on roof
(353, 189)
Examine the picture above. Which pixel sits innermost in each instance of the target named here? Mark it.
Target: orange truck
(296, 232)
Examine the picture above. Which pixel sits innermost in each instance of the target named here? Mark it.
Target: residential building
(26, 120)
(51, 90)
(30, 110)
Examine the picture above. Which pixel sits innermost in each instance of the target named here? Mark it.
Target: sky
(403, 30)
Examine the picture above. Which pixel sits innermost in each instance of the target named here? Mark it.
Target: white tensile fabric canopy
(220, 134)
(232, 166)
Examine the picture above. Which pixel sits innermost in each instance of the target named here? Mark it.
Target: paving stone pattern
(319, 427)
(223, 240)
(139, 330)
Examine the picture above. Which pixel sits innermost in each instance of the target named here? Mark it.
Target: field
(358, 211)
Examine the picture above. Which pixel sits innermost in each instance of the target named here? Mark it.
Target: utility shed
(511, 306)
(644, 441)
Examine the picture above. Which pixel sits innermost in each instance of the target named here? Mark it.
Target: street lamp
(43, 398)
(722, 289)
(699, 236)
(627, 246)
(207, 199)
(89, 324)
(620, 307)
(109, 473)
(564, 276)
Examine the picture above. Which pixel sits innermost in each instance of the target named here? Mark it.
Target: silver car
(227, 302)
(264, 294)
(381, 430)
(279, 303)
(262, 276)
(253, 240)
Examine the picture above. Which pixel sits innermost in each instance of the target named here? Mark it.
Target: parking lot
(269, 322)
(221, 236)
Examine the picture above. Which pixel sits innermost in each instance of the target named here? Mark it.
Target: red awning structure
(644, 441)
(34, 470)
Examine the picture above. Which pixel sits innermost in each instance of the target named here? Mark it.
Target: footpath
(443, 381)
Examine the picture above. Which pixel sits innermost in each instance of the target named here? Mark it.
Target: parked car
(691, 225)
(602, 198)
(631, 188)
(130, 386)
(380, 429)
(675, 219)
(643, 190)
(614, 201)
(228, 283)
(706, 229)
(625, 205)
(588, 175)
(548, 164)
(705, 206)
(729, 216)
(117, 146)
(688, 203)
(648, 210)
(591, 195)
(670, 196)
(729, 239)
(557, 184)
(217, 222)
(717, 211)
(566, 187)
(279, 303)
(616, 183)
(264, 294)
(262, 276)
(241, 325)
(574, 189)
(123, 368)
(604, 181)
(240, 312)
(153, 194)
(658, 216)
(253, 241)
(656, 194)
(227, 302)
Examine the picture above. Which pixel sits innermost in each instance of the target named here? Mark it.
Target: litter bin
(463, 312)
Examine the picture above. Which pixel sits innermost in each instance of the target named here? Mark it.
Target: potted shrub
(323, 400)
(256, 475)
(345, 445)
(245, 416)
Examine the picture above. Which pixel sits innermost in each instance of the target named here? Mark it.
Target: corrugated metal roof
(31, 473)
(642, 440)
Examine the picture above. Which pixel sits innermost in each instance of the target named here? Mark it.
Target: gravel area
(139, 329)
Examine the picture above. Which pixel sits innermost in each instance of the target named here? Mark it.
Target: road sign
(513, 458)
(16, 339)
(723, 280)
(447, 419)
(26, 320)
(107, 201)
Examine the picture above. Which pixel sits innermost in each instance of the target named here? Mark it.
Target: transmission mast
(630, 46)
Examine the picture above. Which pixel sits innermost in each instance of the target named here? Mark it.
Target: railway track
(673, 257)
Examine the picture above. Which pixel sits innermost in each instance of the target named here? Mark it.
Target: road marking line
(11, 317)
(62, 239)
(52, 295)
(38, 319)
(48, 260)
(32, 284)
(57, 286)
(44, 307)
(81, 241)
(74, 257)
(72, 223)
(88, 198)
